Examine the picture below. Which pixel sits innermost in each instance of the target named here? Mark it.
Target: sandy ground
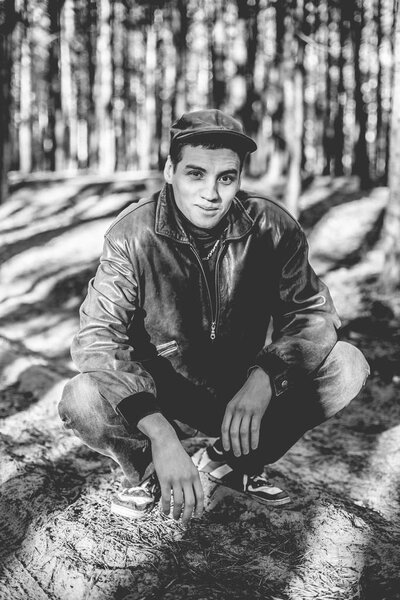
(340, 536)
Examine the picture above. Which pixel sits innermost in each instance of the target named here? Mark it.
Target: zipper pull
(212, 334)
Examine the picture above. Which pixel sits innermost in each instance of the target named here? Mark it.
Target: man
(174, 327)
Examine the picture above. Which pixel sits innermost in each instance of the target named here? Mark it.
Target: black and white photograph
(200, 300)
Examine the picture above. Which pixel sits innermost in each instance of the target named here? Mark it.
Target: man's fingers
(178, 501)
(255, 432)
(188, 493)
(225, 430)
(245, 434)
(199, 496)
(234, 434)
(166, 498)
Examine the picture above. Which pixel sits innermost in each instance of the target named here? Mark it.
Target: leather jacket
(150, 299)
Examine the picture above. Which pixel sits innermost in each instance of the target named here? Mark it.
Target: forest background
(88, 90)
(95, 85)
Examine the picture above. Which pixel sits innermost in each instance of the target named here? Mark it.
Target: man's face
(204, 182)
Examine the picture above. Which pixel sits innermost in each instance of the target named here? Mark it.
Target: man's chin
(207, 220)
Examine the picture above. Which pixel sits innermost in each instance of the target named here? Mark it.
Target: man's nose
(209, 191)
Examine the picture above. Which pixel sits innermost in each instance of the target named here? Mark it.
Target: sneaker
(258, 486)
(211, 458)
(137, 501)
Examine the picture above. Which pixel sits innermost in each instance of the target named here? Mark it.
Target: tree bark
(294, 108)
(338, 123)
(328, 136)
(103, 88)
(25, 126)
(91, 47)
(53, 148)
(7, 23)
(361, 159)
(391, 229)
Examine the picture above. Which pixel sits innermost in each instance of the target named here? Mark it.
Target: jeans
(307, 403)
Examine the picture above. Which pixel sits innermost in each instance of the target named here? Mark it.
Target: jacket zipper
(214, 315)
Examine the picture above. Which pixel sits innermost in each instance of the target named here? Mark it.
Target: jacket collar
(167, 222)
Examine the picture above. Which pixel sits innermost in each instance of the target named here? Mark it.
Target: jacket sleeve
(102, 346)
(304, 317)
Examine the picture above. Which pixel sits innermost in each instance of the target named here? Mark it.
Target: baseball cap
(209, 123)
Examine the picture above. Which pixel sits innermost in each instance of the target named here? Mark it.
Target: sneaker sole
(276, 502)
(122, 511)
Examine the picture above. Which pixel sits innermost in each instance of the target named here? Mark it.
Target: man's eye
(195, 174)
(226, 179)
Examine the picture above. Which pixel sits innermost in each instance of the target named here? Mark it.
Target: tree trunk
(294, 108)
(338, 123)
(6, 24)
(328, 136)
(53, 148)
(103, 87)
(391, 228)
(380, 133)
(217, 51)
(88, 124)
(25, 126)
(179, 99)
(246, 112)
(277, 161)
(294, 117)
(68, 87)
(361, 160)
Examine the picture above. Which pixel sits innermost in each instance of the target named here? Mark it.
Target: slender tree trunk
(179, 100)
(361, 160)
(103, 87)
(380, 136)
(338, 123)
(328, 135)
(68, 87)
(25, 126)
(294, 109)
(7, 24)
(278, 156)
(217, 47)
(149, 156)
(91, 48)
(391, 230)
(246, 112)
(53, 148)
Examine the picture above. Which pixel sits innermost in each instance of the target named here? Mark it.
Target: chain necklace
(213, 249)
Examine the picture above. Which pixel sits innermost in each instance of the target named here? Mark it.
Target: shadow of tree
(310, 216)
(38, 239)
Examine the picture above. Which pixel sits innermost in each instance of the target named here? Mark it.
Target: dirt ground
(339, 539)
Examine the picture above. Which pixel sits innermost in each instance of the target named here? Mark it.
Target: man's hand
(177, 473)
(240, 428)
(175, 469)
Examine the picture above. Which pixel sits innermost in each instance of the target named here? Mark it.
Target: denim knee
(78, 399)
(340, 378)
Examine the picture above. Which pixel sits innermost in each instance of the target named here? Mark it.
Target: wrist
(258, 375)
(156, 428)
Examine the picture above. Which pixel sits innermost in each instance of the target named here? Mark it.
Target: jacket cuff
(135, 407)
(277, 369)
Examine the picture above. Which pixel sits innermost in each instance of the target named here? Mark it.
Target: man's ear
(168, 170)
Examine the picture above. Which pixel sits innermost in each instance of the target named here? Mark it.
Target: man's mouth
(208, 208)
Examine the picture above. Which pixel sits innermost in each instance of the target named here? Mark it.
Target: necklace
(213, 249)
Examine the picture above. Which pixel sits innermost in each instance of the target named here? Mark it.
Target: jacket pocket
(167, 349)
